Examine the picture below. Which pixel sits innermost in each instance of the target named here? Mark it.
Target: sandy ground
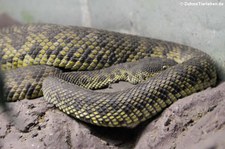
(197, 121)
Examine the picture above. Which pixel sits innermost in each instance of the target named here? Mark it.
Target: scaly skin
(78, 48)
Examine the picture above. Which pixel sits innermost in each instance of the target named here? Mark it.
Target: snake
(67, 64)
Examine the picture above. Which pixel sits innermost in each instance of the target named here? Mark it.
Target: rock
(6, 20)
(196, 121)
(42, 127)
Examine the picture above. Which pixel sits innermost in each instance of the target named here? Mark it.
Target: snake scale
(64, 62)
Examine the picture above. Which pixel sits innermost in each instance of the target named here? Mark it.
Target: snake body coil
(36, 57)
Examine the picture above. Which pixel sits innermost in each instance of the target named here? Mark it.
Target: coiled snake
(37, 60)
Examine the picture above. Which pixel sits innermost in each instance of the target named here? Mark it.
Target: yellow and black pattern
(26, 82)
(81, 49)
(133, 72)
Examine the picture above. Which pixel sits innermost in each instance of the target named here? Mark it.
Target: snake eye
(164, 67)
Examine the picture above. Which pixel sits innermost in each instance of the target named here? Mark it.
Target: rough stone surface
(197, 121)
(36, 124)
